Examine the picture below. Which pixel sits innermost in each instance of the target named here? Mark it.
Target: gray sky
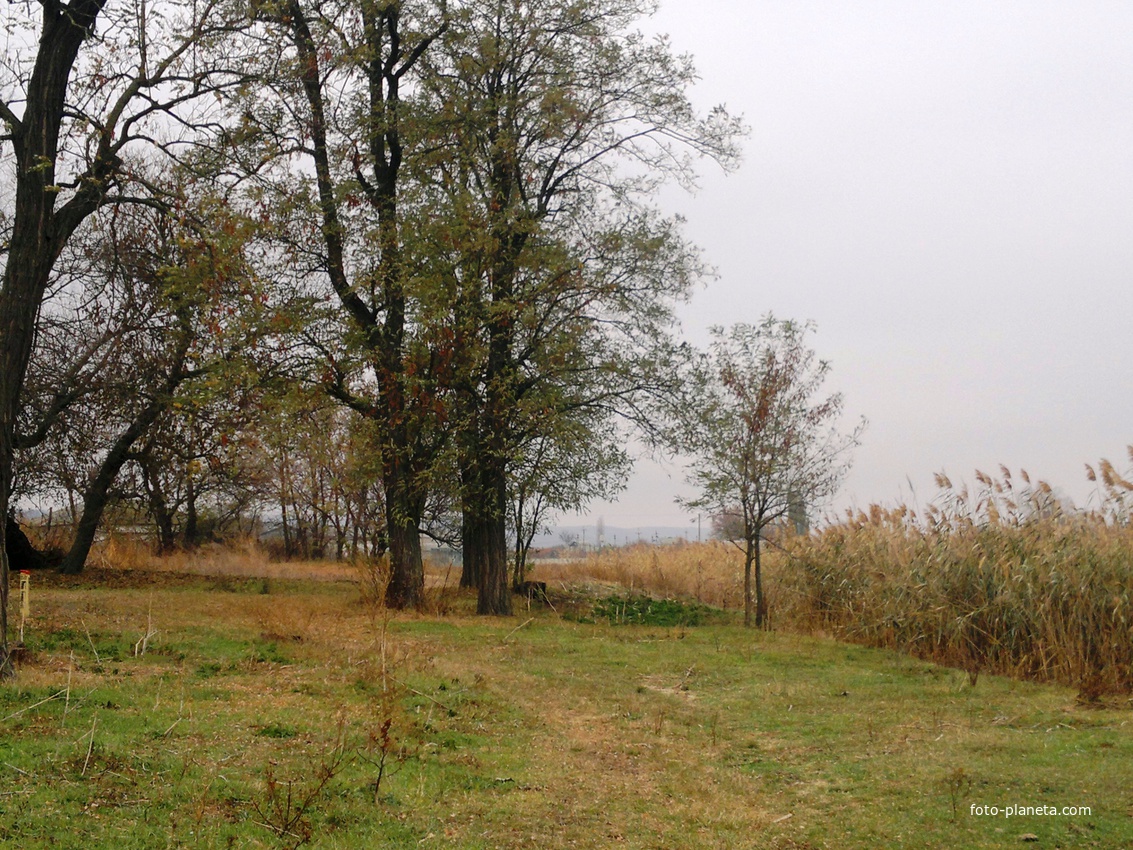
(947, 190)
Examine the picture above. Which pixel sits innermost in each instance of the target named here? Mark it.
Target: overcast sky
(946, 189)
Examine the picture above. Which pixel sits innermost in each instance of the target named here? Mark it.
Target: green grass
(635, 610)
(508, 733)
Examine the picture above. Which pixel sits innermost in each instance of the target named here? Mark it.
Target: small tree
(763, 440)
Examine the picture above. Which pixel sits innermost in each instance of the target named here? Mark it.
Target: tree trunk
(749, 558)
(760, 599)
(406, 587)
(190, 534)
(519, 564)
(6, 669)
(404, 507)
(158, 506)
(526, 527)
(494, 596)
(39, 231)
(98, 492)
(94, 505)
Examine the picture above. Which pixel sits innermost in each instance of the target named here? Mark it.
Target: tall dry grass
(711, 573)
(248, 559)
(1043, 597)
(244, 558)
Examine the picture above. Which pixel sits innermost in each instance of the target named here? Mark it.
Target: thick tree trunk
(407, 574)
(485, 551)
(404, 505)
(39, 231)
(484, 529)
(94, 504)
(495, 597)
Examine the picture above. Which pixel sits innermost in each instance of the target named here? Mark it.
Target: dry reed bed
(1045, 599)
(710, 573)
(237, 559)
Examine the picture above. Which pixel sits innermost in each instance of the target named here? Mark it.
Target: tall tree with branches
(334, 98)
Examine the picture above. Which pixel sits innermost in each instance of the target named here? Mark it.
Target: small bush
(275, 730)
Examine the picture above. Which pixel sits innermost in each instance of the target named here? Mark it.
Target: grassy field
(186, 711)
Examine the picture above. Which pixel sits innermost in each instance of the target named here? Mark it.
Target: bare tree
(763, 441)
(324, 475)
